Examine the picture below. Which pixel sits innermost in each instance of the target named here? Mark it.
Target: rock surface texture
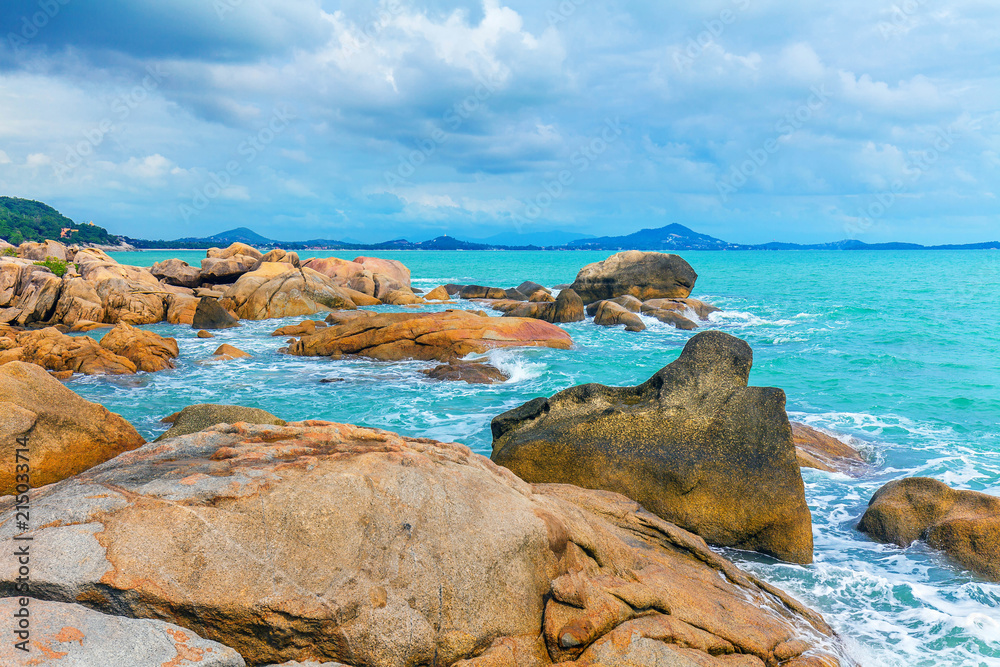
(426, 336)
(277, 289)
(326, 542)
(644, 275)
(66, 434)
(694, 444)
(963, 524)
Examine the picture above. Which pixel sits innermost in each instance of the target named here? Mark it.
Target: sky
(750, 120)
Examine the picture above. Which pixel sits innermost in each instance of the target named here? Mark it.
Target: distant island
(28, 220)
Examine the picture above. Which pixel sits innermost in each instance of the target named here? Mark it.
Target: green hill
(28, 220)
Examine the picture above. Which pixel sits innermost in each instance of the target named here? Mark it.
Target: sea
(898, 351)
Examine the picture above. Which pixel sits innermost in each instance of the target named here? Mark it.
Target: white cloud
(4, 158)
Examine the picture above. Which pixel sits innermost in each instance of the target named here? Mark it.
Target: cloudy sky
(751, 120)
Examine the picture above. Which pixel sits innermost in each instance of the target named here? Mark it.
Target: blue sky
(750, 120)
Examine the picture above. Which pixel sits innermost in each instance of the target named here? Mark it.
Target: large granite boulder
(181, 308)
(78, 301)
(328, 542)
(55, 351)
(392, 268)
(963, 524)
(236, 249)
(66, 434)
(176, 272)
(149, 351)
(38, 294)
(280, 290)
(226, 269)
(209, 314)
(644, 275)
(70, 635)
(567, 307)
(610, 314)
(428, 336)
(340, 270)
(694, 444)
(129, 294)
(196, 418)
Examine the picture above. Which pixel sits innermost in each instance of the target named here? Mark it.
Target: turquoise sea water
(900, 350)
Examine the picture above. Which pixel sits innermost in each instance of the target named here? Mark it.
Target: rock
(212, 293)
(609, 314)
(149, 352)
(694, 444)
(541, 296)
(628, 302)
(66, 434)
(437, 294)
(340, 270)
(234, 250)
(472, 372)
(480, 292)
(176, 272)
(514, 295)
(402, 298)
(279, 290)
(129, 294)
(345, 316)
(429, 336)
(362, 283)
(209, 314)
(963, 524)
(453, 289)
(700, 309)
(392, 268)
(182, 308)
(10, 275)
(204, 334)
(78, 301)
(70, 634)
(228, 269)
(328, 542)
(673, 318)
(301, 329)
(384, 285)
(527, 288)
(83, 326)
(195, 418)
(85, 255)
(567, 307)
(41, 251)
(38, 292)
(360, 298)
(644, 275)
(279, 255)
(822, 451)
(227, 352)
(56, 351)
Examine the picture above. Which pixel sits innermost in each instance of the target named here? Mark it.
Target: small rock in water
(205, 334)
(331, 380)
(473, 372)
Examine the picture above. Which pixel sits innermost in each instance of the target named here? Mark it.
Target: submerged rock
(644, 275)
(226, 352)
(822, 451)
(328, 542)
(694, 444)
(66, 433)
(473, 372)
(963, 524)
(73, 635)
(452, 334)
(199, 417)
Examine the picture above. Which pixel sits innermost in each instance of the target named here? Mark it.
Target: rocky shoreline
(239, 539)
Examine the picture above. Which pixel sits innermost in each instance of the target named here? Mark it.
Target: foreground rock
(72, 635)
(277, 289)
(55, 351)
(644, 275)
(694, 444)
(147, 350)
(329, 542)
(196, 418)
(822, 451)
(452, 334)
(472, 372)
(963, 524)
(66, 433)
(568, 307)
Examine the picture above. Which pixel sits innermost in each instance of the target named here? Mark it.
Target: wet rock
(700, 309)
(438, 294)
(66, 434)
(527, 288)
(820, 450)
(55, 351)
(312, 542)
(609, 314)
(694, 444)
(673, 318)
(227, 352)
(567, 307)
(209, 314)
(429, 336)
(644, 275)
(472, 372)
(205, 334)
(963, 524)
(149, 352)
(195, 418)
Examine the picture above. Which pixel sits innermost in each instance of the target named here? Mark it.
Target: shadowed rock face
(329, 542)
(644, 275)
(963, 524)
(568, 307)
(209, 314)
(694, 445)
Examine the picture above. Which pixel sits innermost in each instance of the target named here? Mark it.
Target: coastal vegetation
(28, 220)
